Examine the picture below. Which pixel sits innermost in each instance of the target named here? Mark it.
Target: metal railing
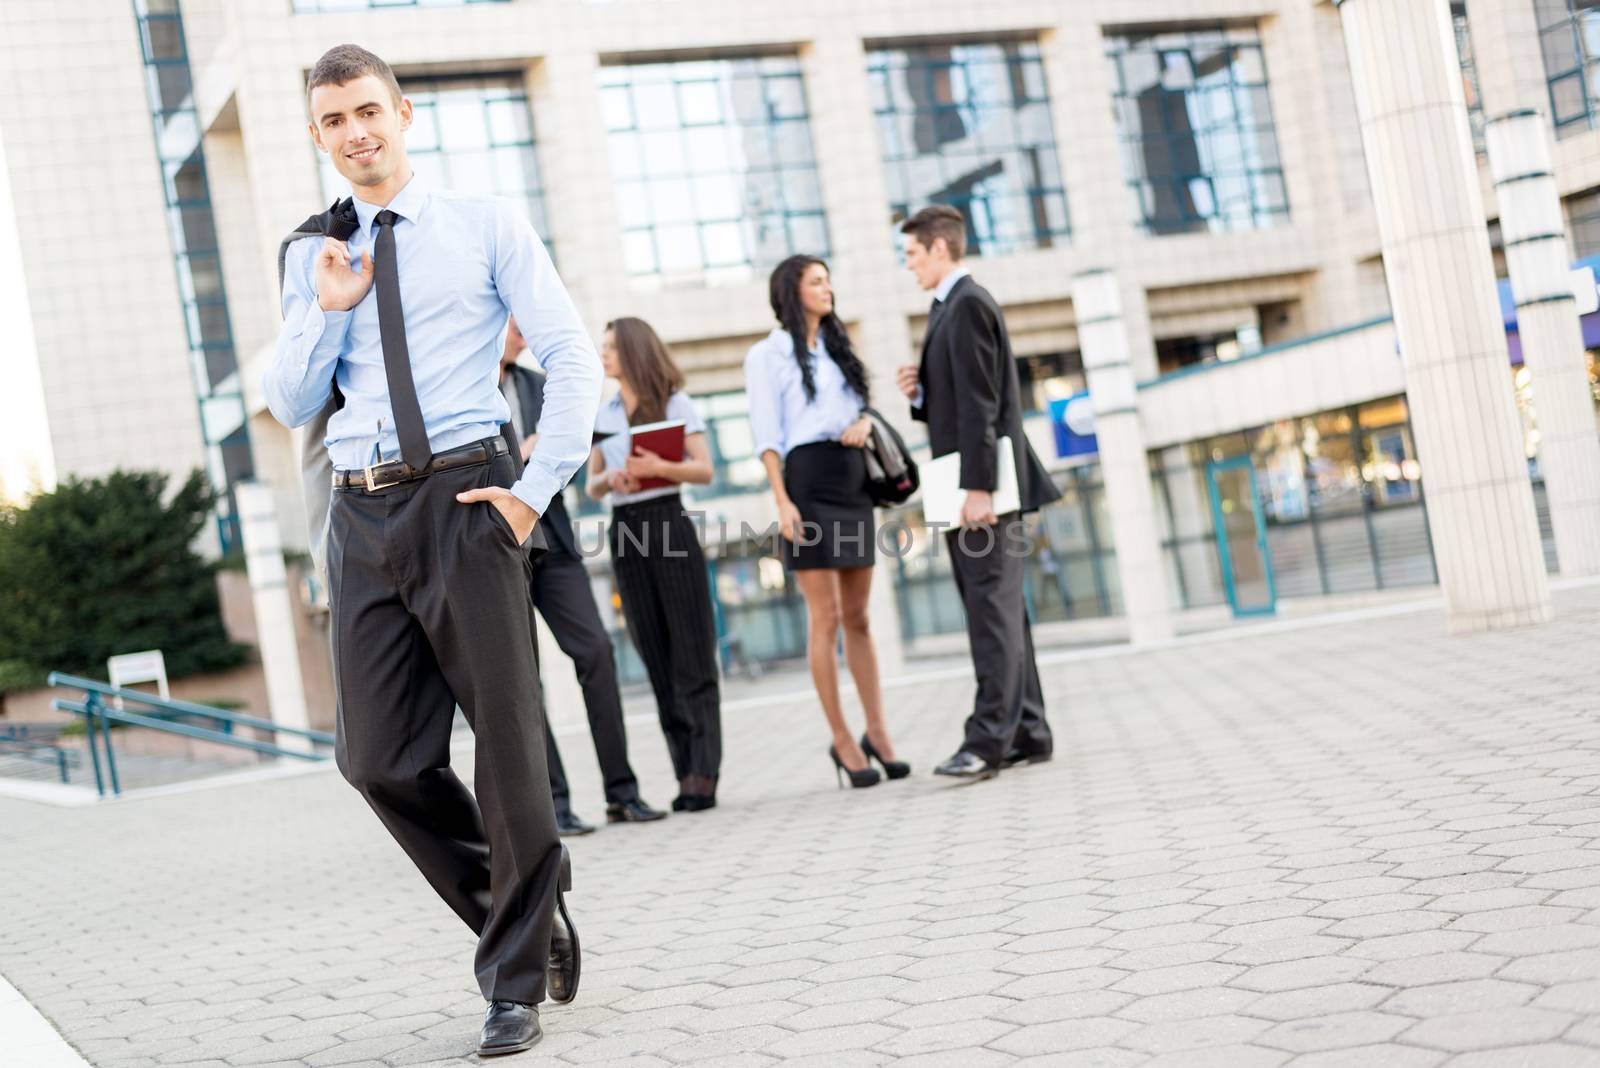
(162, 715)
(38, 744)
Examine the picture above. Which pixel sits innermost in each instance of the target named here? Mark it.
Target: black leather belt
(384, 475)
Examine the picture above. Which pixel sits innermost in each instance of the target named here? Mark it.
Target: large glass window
(1469, 73)
(1199, 148)
(968, 125)
(472, 134)
(192, 230)
(1583, 221)
(1569, 37)
(716, 178)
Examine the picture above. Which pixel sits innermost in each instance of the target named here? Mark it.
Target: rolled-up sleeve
(529, 287)
(766, 412)
(299, 381)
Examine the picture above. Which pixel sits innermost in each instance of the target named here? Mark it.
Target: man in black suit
(966, 390)
(562, 595)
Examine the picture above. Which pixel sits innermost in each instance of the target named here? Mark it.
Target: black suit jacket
(971, 396)
(555, 522)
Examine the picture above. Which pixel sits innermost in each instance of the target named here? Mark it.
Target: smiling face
(361, 126)
(816, 291)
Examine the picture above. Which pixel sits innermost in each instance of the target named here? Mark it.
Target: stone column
(269, 590)
(1505, 39)
(1103, 337)
(1429, 206)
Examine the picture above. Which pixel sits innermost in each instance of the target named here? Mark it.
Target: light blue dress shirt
(615, 450)
(465, 261)
(782, 418)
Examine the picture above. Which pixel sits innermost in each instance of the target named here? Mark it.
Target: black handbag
(891, 472)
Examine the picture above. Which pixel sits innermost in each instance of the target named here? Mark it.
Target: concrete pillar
(1520, 140)
(269, 590)
(1103, 337)
(1429, 206)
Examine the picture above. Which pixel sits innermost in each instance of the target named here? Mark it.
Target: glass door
(1241, 527)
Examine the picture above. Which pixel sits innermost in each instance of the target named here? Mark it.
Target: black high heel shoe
(867, 776)
(894, 769)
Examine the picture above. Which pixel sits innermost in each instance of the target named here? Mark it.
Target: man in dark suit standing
(966, 390)
(561, 594)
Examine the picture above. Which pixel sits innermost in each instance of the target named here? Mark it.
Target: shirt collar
(782, 337)
(408, 204)
(942, 292)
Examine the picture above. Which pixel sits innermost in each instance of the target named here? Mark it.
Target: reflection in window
(1469, 73)
(471, 134)
(1583, 222)
(968, 125)
(1569, 38)
(715, 175)
(735, 467)
(1199, 148)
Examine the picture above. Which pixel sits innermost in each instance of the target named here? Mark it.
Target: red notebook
(663, 439)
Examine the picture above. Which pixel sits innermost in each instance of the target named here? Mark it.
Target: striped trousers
(666, 600)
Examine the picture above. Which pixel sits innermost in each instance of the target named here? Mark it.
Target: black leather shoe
(509, 1027)
(635, 811)
(1016, 756)
(561, 977)
(968, 766)
(570, 826)
(698, 802)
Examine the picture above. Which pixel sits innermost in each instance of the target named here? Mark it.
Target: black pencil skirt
(828, 483)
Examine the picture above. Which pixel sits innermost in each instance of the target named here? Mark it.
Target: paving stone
(1334, 1031)
(1489, 1028)
(1224, 866)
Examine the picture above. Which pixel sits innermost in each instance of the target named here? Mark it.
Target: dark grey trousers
(1009, 707)
(430, 609)
(563, 597)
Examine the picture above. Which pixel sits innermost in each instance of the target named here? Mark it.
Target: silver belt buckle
(372, 484)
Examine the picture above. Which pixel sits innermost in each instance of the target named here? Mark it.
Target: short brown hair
(343, 64)
(936, 221)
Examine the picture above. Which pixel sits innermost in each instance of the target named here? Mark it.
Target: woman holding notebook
(650, 440)
(807, 390)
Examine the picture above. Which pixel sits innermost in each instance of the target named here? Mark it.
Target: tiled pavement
(1356, 844)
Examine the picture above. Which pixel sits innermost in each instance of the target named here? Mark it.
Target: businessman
(966, 390)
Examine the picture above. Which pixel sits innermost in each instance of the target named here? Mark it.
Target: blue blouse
(781, 417)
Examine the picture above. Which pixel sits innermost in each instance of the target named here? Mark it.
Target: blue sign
(1072, 419)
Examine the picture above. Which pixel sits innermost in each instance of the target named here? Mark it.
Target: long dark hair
(647, 366)
(784, 292)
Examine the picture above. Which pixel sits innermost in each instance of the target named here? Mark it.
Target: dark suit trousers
(431, 610)
(562, 595)
(1009, 707)
(666, 596)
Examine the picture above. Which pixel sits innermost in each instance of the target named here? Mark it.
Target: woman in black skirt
(807, 389)
(655, 554)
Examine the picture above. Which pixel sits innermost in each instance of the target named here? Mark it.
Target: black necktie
(408, 422)
(934, 313)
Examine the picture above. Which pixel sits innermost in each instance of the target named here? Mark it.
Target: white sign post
(129, 668)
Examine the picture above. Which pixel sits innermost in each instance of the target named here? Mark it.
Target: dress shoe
(509, 1027)
(867, 776)
(570, 826)
(894, 769)
(697, 802)
(561, 977)
(634, 811)
(1015, 756)
(968, 766)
